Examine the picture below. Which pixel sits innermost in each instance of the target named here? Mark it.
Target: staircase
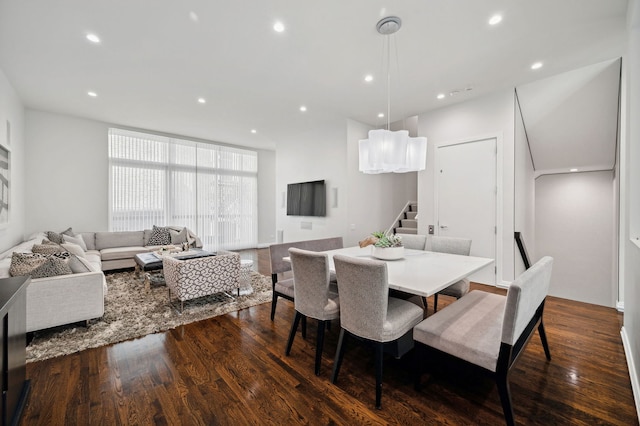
(407, 222)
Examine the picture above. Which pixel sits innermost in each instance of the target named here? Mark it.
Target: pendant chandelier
(386, 151)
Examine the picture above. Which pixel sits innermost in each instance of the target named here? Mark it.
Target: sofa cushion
(77, 265)
(179, 237)
(47, 248)
(89, 239)
(37, 265)
(160, 235)
(78, 240)
(116, 253)
(106, 240)
(73, 249)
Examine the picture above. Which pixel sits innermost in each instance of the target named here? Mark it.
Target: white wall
(524, 220)
(67, 175)
(365, 203)
(630, 196)
(319, 154)
(489, 115)
(575, 226)
(12, 111)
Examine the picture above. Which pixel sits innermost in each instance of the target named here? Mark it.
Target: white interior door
(467, 196)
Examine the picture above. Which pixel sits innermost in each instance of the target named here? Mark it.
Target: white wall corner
(633, 372)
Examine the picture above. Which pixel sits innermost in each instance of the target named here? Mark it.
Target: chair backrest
(279, 251)
(311, 275)
(524, 297)
(414, 241)
(364, 295)
(451, 245)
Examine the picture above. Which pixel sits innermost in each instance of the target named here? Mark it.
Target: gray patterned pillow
(55, 237)
(37, 265)
(47, 248)
(160, 236)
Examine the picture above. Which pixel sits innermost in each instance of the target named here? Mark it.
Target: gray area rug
(130, 312)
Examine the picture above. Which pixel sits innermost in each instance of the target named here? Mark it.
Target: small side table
(246, 266)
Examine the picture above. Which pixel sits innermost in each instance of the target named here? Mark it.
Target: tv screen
(306, 199)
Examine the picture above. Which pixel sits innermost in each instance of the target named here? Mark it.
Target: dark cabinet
(13, 335)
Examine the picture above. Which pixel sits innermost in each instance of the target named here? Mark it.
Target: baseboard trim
(633, 372)
(504, 284)
(620, 306)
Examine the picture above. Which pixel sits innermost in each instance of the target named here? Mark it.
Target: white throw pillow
(78, 240)
(73, 249)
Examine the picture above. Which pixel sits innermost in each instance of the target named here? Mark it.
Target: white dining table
(420, 272)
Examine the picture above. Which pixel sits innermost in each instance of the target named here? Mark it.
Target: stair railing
(522, 249)
(400, 216)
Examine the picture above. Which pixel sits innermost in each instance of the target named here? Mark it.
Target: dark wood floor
(232, 370)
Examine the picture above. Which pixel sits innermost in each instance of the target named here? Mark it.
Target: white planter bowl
(387, 253)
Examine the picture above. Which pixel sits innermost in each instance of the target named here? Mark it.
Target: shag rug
(130, 312)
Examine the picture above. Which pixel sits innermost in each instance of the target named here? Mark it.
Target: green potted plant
(385, 247)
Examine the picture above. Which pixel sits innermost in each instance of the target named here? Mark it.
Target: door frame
(499, 193)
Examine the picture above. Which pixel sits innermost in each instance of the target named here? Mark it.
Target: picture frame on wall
(5, 185)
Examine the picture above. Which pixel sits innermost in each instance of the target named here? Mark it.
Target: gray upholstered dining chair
(312, 295)
(490, 330)
(451, 245)
(369, 314)
(414, 241)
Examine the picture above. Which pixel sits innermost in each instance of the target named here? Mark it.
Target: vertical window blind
(210, 189)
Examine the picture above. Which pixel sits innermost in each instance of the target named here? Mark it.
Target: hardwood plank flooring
(231, 370)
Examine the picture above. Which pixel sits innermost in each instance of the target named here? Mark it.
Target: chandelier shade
(392, 152)
(386, 151)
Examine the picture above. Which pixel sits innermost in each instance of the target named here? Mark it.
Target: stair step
(413, 207)
(411, 215)
(408, 223)
(406, 230)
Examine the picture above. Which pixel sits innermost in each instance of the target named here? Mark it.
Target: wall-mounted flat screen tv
(307, 199)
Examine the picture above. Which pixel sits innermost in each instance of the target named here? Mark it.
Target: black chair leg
(379, 358)
(426, 306)
(339, 354)
(274, 302)
(435, 302)
(319, 345)
(292, 333)
(543, 338)
(304, 327)
(505, 399)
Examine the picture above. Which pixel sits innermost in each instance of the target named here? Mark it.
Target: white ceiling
(155, 61)
(571, 119)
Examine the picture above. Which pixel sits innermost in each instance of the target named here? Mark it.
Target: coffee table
(150, 261)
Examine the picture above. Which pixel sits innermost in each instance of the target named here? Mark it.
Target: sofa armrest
(65, 299)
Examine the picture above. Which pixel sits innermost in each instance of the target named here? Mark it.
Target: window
(210, 189)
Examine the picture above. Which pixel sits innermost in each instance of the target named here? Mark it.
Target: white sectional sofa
(65, 299)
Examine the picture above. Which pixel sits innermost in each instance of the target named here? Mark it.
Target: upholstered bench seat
(469, 329)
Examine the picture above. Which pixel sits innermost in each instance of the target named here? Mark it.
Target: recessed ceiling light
(254, 131)
(202, 100)
(495, 19)
(440, 96)
(381, 115)
(92, 94)
(536, 66)
(93, 38)
(368, 78)
(303, 108)
(193, 16)
(278, 27)
(573, 170)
